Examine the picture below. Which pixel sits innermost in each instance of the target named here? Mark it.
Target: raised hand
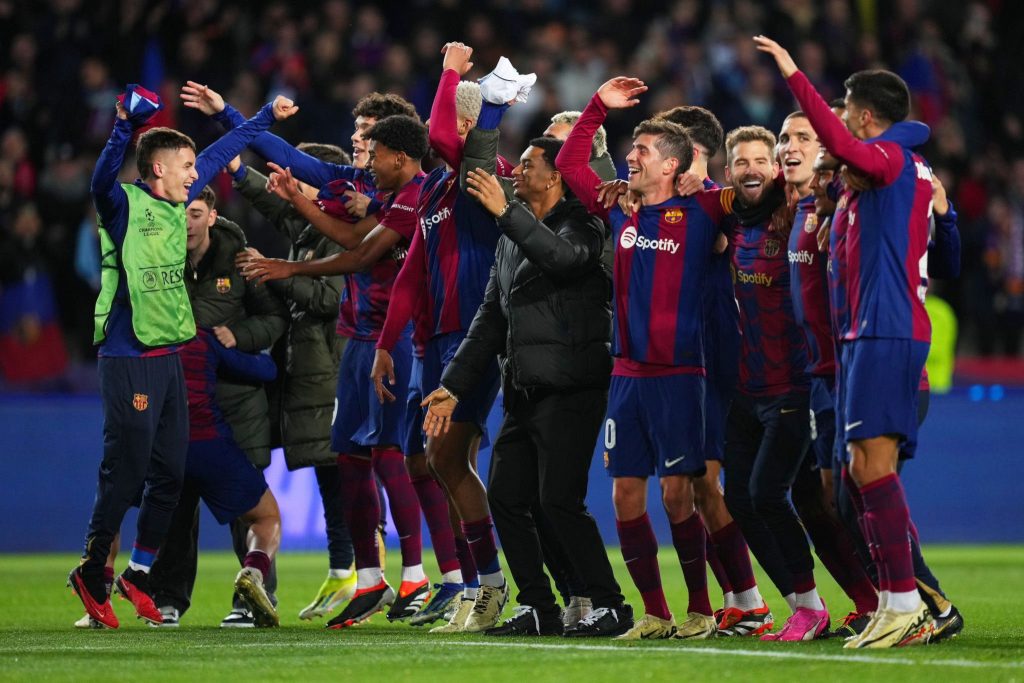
(122, 113)
(282, 183)
(284, 107)
(383, 366)
(621, 92)
(456, 56)
(234, 165)
(782, 59)
(486, 189)
(205, 99)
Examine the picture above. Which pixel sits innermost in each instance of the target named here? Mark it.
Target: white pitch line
(646, 651)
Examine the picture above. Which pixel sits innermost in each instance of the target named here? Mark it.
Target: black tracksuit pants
(542, 456)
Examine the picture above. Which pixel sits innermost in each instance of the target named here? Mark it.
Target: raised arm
(216, 156)
(444, 117)
(573, 160)
(280, 213)
(108, 195)
(880, 161)
(307, 168)
(344, 232)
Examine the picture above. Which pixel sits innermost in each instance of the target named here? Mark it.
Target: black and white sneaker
(948, 626)
(526, 621)
(238, 618)
(603, 622)
(172, 617)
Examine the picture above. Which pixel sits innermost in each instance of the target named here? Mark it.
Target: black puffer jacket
(547, 309)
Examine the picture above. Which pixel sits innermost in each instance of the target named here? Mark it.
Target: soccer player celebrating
(744, 610)
(813, 490)
(363, 423)
(878, 297)
(445, 275)
(655, 419)
(768, 430)
(142, 316)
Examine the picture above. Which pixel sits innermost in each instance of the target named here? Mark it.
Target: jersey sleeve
(880, 161)
(401, 215)
(108, 195)
(944, 249)
(444, 120)
(216, 156)
(256, 367)
(573, 160)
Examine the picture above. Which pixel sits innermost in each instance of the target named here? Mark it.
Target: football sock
(435, 512)
(790, 599)
(480, 537)
(389, 464)
(748, 600)
(689, 539)
(339, 573)
(454, 576)
(834, 548)
(888, 519)
(142, 558)
(809, 600)
(732, 551)
(368, 577)
(361, 507)
(108, 579)
(640, 551)
(257, 559)
(468, 566)
(717, 568)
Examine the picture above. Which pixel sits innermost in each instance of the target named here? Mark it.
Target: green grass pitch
(38, 643)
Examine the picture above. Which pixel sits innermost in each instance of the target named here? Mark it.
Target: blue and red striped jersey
(662, 256)
(721, 318)
(808, 281)
(773, 359)
(200, 360)
(662, 260)
(364, 304)
(879, 259)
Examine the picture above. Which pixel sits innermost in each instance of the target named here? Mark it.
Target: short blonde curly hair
(468, 100)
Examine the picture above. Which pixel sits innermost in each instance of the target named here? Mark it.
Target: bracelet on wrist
(504, 211)
(449, 393)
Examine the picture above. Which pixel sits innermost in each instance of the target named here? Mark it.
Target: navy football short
(414, 442)
(361, 421)
(823, 421)
(227, 481)
(475, 406)
(878, 391)
(655, 425)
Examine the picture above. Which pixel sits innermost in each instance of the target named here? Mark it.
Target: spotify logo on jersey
(628, 237)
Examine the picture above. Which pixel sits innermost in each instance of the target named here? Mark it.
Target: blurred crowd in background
(62, 63)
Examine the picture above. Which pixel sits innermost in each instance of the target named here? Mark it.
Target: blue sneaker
(435, 609)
